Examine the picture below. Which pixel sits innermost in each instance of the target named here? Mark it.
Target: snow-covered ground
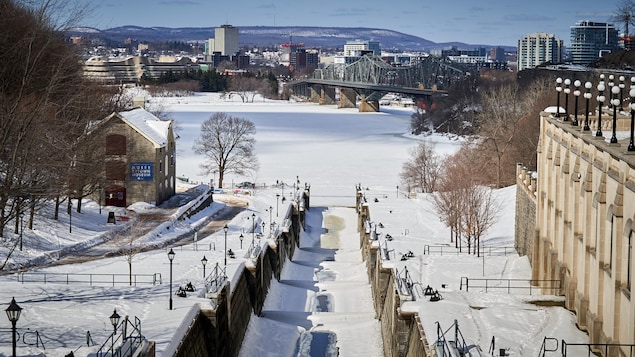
(332, 150)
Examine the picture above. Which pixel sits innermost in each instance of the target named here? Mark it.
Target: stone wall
(219, 330)
(525, 228)
(402, 332)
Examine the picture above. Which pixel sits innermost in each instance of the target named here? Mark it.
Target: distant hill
(323, 37)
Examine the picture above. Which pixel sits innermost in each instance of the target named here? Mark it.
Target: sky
(325, 287)
(492, 22)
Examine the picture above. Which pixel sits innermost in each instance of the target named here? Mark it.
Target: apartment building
(538, 48)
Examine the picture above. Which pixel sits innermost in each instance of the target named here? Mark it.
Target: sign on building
(141, 171)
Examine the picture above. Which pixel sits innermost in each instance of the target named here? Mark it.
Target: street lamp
(204, 262)
(225, 229)
(263, 228)
(567, 90)
(270, 217)
(615, 101)
(13, 313)
(622, 85)
(277, 202)
(631, 145)
(171, 257)
(253, 228)
(576, 93)
(70, 215)
(600, 99)
(241, 240)
(558, 89)
(114, 320)
(587, 96)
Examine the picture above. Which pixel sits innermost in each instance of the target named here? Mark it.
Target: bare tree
(227, 143)
(462, 202)
(129, 247)
(625, 13)
(422, 171)
(245, 86)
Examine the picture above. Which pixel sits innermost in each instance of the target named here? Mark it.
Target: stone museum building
(140, 158)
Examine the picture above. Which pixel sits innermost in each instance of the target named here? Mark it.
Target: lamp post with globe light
(576, 93)
(558, 89)
(615, 102)
(600, 99)
(587, 96)
(567, 90)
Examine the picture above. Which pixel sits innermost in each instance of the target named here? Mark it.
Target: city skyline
(497, 22)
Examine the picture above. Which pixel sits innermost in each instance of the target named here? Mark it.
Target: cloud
(180, 2)
(529, 18)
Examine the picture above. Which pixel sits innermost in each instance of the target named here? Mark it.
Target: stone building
(585, 219)
(140, 158)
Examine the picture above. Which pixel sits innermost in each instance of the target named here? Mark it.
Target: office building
(225, 42)
(592, 40)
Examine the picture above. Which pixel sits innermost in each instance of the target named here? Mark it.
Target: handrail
(511, 284)
(92, 279)
(215, 280)
(544, 349)
(608, 349)
(124, 343)
(38, 339)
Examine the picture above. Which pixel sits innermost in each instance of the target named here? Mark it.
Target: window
(115, 144)
(629, 259)
(611, 244)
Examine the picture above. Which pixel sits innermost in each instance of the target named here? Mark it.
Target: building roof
(148, 125)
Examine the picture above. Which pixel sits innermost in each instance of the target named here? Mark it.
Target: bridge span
(370, 78)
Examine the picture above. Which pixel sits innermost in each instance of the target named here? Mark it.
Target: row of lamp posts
(13, 313)
(616, 93)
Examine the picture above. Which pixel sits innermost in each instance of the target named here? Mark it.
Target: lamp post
(270, 218)
(600, 99)
(204, 262)
(263, 228)
(631, 145)
(70, 216)
(114, 320)
(576, 93)
(13, 313)
(567, 90)
(171, 258)
(253, 228)
(622, 85)
(558, 89)
(277, 201)
(225, 229)
(587, 96)
(615, 101)
(241, 237)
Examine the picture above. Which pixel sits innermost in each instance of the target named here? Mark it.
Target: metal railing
(91, 279)
(444, 347)
(544, 348)
(215, 280)
(404, 282)
(450, 250)
(606, 349)
(123, 343)
(510, 284)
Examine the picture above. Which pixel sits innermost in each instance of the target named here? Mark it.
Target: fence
(550, 344)
(92, 279)
(449, 250)
(511, 284)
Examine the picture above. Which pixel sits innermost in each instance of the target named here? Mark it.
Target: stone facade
(140, 158)
(525, 227)
(585, 221)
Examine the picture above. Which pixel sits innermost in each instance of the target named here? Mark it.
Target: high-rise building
(225, 41)
(592, 40)
(358, 48)
(538, 48)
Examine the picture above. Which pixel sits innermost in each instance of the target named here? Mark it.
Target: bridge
(370, 78)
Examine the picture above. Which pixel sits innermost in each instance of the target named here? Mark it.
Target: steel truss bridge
(370, 78)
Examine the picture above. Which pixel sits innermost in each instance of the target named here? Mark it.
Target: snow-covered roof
(148, 125)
